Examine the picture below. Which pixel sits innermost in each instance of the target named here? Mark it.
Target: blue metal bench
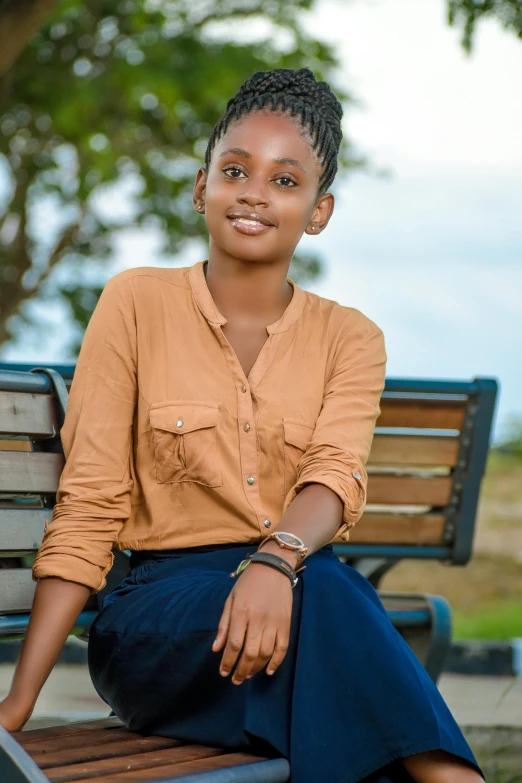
(425, 470)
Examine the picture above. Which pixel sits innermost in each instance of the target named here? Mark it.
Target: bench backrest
(426, 464)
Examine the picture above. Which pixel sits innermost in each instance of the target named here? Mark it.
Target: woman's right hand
(57, 603)
(14, 714)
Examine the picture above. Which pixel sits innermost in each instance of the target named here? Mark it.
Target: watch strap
(271, 560)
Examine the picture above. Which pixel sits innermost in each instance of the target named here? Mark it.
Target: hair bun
(299, 93)
(283, 80)
(301, 85)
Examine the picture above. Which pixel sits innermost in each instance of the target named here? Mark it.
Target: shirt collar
(206, 304)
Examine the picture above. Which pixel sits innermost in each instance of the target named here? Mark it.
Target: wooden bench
(425, 469)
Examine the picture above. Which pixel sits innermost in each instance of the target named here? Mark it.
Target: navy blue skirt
(349, 701)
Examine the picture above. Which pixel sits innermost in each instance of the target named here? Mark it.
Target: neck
(248, 291)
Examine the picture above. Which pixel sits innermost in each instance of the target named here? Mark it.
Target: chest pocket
(185, 442)
(297, 434)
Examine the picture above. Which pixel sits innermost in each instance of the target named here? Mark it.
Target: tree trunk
(19, 21)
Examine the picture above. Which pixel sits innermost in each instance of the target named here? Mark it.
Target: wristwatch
(287, 541)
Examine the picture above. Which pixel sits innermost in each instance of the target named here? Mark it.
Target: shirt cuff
(72, 569)
(352, 494)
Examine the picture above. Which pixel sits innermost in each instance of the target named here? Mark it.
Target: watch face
(289, 538)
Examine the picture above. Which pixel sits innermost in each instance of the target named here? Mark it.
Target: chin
(251, 250)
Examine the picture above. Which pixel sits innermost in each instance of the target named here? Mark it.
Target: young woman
(218, 426)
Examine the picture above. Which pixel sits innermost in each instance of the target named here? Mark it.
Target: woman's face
(260, 191)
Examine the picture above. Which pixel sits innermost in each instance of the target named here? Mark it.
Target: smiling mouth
(249, 222)
(249, 226)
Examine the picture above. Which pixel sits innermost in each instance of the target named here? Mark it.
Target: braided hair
(298, 94)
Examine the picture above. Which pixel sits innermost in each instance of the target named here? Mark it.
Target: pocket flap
(182, 417)
(298, 433)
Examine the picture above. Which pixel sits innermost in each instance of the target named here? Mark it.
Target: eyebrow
(235, 151)
(246, 154)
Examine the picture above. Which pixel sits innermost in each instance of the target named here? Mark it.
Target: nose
(255, 193)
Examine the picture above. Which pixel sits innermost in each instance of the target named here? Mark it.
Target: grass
(501, 621)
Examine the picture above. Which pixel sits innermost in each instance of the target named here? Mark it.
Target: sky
(432, 252)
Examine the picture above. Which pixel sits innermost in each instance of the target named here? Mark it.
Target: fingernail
(270, 671)
(223, 672)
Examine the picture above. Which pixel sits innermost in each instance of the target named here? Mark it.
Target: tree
(468, 13)
(127, 94)
(19, 21)
(113, 92)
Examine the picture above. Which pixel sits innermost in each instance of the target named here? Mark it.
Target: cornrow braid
(298, 94)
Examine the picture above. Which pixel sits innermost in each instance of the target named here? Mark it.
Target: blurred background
(105, 109)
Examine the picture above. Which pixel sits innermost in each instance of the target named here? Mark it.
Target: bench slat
(135, 761)
(410, 490)
(10, 444)
(414, 450)
(22, 530)
(27, 414)
(415, 529)
(98, 737)
(187, 768)
(422, 414)
(35, 472)
(17, 590)
(28, 736)
(60, 758)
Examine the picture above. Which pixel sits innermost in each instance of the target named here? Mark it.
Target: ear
(321, 215)
(200, 186)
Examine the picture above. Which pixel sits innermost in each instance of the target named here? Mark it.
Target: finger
(223, 626)
(235, 639)
(266, 650)
(281, 646)
(250, 651)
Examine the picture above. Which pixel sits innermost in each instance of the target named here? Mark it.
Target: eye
(228, 172)
(286, 182)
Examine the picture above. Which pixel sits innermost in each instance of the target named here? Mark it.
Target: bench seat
(104, 751)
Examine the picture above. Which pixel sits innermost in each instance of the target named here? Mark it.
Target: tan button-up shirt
(168, 444)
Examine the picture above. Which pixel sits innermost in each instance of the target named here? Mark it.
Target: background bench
(427, 460)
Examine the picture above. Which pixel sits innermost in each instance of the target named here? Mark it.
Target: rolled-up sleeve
(93, 499)
(342, 438)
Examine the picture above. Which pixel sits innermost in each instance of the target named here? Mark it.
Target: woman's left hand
(255, 620)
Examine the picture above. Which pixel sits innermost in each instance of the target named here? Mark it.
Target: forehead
(272, 135)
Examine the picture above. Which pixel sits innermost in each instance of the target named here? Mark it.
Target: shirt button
(267, 523)
(179, 423)
(247, 427)
(250, 480)
(243, 389)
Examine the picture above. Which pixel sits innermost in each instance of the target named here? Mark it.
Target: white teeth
(248, 222)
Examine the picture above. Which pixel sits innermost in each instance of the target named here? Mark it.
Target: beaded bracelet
(271, 560)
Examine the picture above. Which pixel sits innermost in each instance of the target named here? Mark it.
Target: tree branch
(56, 256)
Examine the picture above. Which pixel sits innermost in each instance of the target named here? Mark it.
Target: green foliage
(113, 92)
(501, 620)
(468, 13)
